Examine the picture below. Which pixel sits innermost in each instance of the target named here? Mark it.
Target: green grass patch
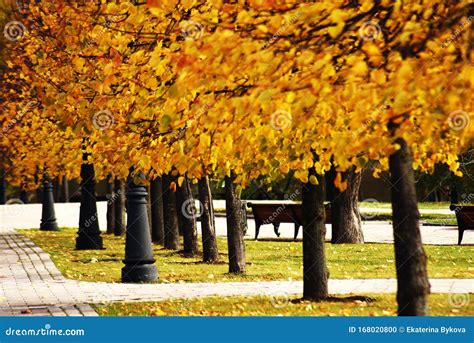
(424, 217)
(267, 260)
(444, 221)
(369, 305)
(421, 205)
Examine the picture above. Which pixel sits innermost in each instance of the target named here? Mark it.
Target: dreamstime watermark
(458, 300)
(192, 30)
(103, 120)
(467, 199)
(102, 299)
(370, 30)
(91, 220)
(280, 300)
(179, 133)
(458, 120)
(111, 198)
(14, 30)
(11, 210)
(106, 26)
(280, 31)
(281, 208)
(368, 122)
(17, 117)
(45, 331)
(457, 32)
(189, 210)
(281, 120)
(374, 203)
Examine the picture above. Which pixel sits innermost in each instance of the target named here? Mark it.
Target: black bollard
(48, 217)
(88, 236)
(139, 261)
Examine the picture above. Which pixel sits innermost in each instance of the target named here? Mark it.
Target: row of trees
(184, 90)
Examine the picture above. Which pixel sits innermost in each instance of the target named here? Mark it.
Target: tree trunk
(110, 205)
(455, 185)
(24, 197)
(186, 209)
(315, 272)
(208, 225)
(235, 227)
(157, 221)
(3, 188)
(119, 224)
(65, 189)
(345, 215)
(410, 258)
(169, 214)
(56, 190)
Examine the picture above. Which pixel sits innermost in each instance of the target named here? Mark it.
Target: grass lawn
(372, 305)
(425, 218)
(267, 260)
(421, 205)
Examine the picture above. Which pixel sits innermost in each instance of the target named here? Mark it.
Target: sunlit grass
(267, 260)
(373, 305)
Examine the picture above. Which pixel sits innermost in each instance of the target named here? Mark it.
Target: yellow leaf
(335, 31)
(341, 185)
(360, 68)
(79, 64)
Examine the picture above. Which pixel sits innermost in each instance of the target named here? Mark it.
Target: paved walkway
(29, 216)
(30, 284)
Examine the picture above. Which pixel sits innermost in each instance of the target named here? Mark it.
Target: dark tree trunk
(119, 212)
(56, 190)
(110, 205)
(24, 197)
(65, 190)
(345, 215)
(169, 214)
(410, 258)
(157, 221)
(3, 188)
(235, 227)
(315, 272)
(39, 195)
(455, 185)
(186, 209)
(208, 226)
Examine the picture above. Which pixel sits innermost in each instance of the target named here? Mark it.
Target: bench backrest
(465, 216)
(281, 213)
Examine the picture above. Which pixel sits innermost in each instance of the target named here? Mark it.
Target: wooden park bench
(465, 218)
(272, 212)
